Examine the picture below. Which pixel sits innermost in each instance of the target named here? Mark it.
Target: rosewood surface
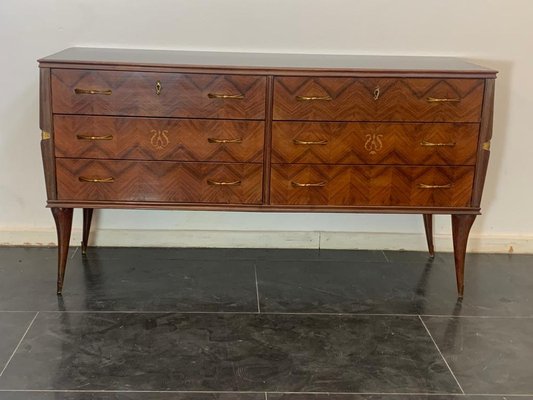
(264, 132)
(374, 143)
(78, 136)
(371, 186)
(378, 99)
(158, 94)
(110, 180)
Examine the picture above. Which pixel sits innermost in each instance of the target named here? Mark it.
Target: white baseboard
(270, 239)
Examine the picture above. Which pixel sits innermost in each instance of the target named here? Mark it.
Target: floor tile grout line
(75, 252)
(266, 396)
(265, 393)
(478, 316)
(505, 317)
(214, 313)
(442, 355)
(19, 343)
(257, 290)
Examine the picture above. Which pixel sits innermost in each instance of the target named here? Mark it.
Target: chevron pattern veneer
(264, 132)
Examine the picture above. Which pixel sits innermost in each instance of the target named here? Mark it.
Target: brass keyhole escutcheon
(377, 92)
(158, 87)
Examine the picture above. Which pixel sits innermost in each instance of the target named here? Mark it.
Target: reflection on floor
(256, 324)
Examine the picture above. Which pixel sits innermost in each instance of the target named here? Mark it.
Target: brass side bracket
(486, 146)
(45, 135)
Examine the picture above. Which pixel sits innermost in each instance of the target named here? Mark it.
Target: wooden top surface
(264, 61)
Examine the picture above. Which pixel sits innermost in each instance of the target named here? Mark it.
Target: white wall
(495, 33)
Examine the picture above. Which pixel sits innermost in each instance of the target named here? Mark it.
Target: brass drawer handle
(442, 100)
(424, 186)
(239, 96)
(222, 183)
(313, 98)
(89, 137)
(214, 140)
(317, 184)
(96, 180)
(429, 144)
(158, 88)
(107, 92)
(318, 142)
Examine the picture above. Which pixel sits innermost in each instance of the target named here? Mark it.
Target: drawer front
(374, 143)
(377, 99)
(371, 186)
(163, 181)
(158, 94)
(158, 139)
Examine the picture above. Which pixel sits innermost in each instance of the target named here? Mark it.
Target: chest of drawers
(264, 132)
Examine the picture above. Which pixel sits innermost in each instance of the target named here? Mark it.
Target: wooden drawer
(371, 186)
(136, 93)
(374, 143)
(158, 139)
(158, 181)
(378, 99)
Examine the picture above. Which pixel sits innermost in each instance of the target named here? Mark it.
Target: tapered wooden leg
(87, 218)
(428, 225)
(461, 225)
(63, 219)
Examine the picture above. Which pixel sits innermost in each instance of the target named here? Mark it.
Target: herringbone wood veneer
(370, 186)
(159, 181)
(186, 130)
(378, 99)
(135, 94)
(374, 143)
(159, 139)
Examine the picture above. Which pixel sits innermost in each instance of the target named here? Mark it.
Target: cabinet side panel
(485, 135)
(47, 138)
(267, 147)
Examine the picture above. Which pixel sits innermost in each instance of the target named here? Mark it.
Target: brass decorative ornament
(373, 143)
(159, 139)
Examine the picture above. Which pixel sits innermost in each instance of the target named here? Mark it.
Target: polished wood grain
(87, 219)
(159, 181)
(428, 227)
(483, 153)
(374, 143)
(268, 208)
(46, 125)
(461, 225)
(264, 63)
(267, 160)
(63, 220)
(371, 186)
(136, 94)
(377, 99)
(265, 132)
(130, 138)
(45, 99)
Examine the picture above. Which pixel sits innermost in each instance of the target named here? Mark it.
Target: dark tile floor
(254, 324)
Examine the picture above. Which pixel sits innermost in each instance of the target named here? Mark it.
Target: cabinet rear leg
(87, 218)
(63, 220)
(461, 225)
(428, 225)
